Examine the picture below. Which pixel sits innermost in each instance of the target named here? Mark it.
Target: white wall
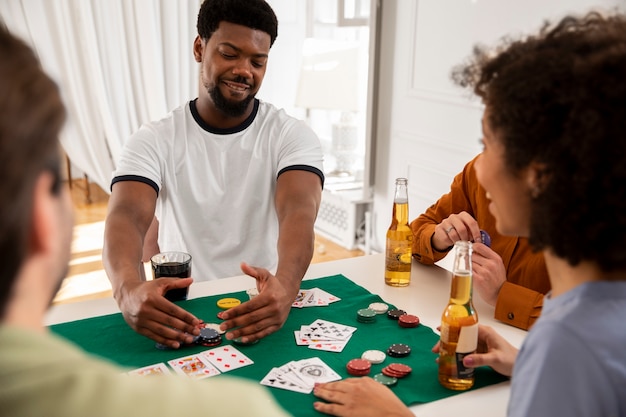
(428, 128)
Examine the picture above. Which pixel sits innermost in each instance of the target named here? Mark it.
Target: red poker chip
(389, 372)
(408, 320)
(358, 367)
(396, 370)
(400, 367)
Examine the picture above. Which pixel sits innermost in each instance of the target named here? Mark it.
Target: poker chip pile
(210, 335)
(404, 319)
(391, 373)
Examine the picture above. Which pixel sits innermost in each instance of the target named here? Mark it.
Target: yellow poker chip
(226, 303)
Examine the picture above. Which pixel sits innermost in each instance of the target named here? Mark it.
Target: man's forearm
(121, 256)
(295, 251)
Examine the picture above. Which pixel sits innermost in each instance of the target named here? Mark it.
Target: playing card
(301, 298)
(193, 366)
(227, 358)
(314, 370)
(336, 346)
(319, 298)
(157, 369)
(304, 339)
(323, 329)
(328, 297)
(272, 379)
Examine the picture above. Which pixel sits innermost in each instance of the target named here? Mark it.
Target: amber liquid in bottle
(459, 325)
(399, 240)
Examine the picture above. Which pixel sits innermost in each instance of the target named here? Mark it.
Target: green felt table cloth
(111, 338)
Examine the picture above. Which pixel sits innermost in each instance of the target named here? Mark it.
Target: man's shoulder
(270, 111)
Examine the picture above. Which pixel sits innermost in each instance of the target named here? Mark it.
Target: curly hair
(31, 117)
(255, 14)
(559, 98)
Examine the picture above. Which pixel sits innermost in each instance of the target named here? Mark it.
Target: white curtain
(119, 64)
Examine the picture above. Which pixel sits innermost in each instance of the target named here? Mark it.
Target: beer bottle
(399, 239)
(459, 324)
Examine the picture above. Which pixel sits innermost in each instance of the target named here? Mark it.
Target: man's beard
(230, 108)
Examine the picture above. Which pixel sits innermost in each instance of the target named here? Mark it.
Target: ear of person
(537, 178)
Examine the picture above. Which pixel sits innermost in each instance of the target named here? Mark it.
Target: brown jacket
(521, 298)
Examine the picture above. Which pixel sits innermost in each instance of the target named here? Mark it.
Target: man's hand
(265, 313)
(362, 397)
(488, 272)
(149, 313)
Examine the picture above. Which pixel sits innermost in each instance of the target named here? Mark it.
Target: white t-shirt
(216, 186)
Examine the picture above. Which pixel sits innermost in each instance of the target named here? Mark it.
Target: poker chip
(385, 380)
(209, 337)
(161, 346)
(226, 303)
(485, 238)
(379, 308)
(408, 320)
(395, 314)
(399, 350)
(252, 292)
(366, 315)
(213, 326)
(358, 367)
(396, 370)
(374, 356)
(239, 342)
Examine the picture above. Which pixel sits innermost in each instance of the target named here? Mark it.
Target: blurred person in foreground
(40, 373)
(554, 168)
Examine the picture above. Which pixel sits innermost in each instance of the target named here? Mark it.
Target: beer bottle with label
(399, 239)
(459, 324)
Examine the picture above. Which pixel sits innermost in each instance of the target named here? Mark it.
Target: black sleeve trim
(137, 178)
(303, 168)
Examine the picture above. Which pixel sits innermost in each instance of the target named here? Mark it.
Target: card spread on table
(327, 330)
(324, 335)
(193, 366)
(300, 376)
(156, 369)
(226, 358)
(314, 297)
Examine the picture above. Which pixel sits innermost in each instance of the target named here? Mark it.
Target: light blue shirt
(573, 361)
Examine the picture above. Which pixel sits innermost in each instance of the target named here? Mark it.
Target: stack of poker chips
(404, 319)
(359, 367)
(408, 320)
(208, 337)
(374, 356)
(366, 315)
(385, 380)
(396, 370)
(395, 314)
(399, 350)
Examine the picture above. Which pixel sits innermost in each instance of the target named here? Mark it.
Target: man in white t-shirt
(231, 180)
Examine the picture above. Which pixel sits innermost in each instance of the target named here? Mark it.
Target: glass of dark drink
(172, 265)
